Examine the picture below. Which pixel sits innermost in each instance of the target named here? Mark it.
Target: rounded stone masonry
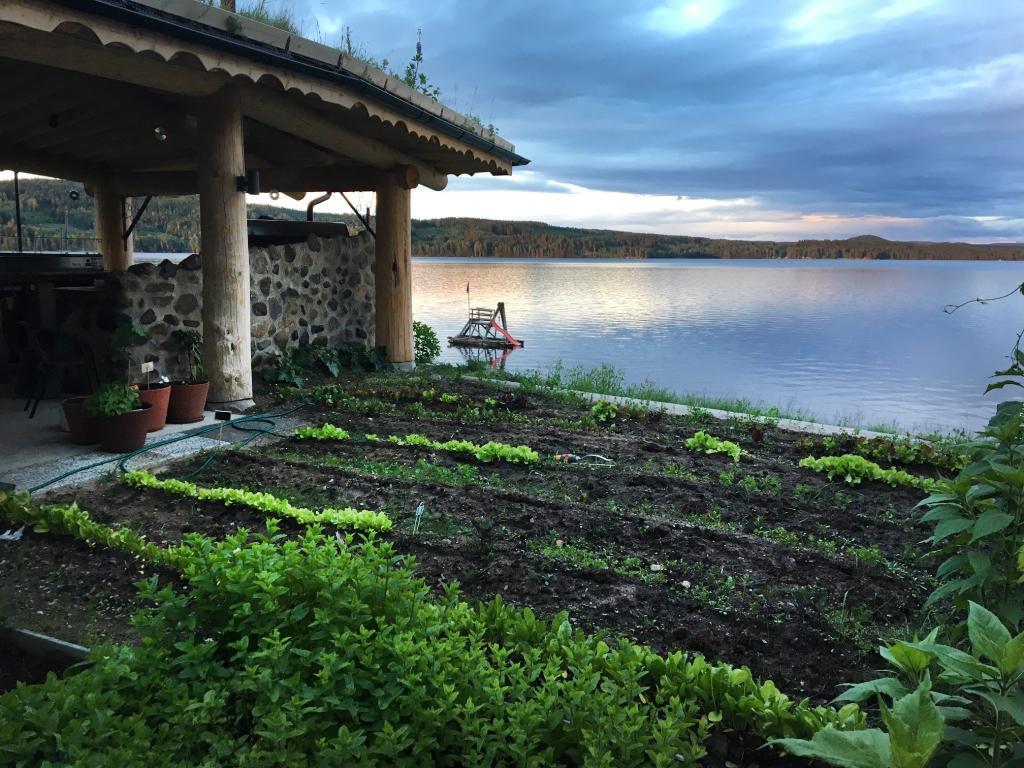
(317, 292)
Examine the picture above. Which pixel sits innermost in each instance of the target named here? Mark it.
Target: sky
(753, 119)
(749, 119)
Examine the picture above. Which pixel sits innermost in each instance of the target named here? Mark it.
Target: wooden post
(393, 271)
(224, 247)
(111, 215)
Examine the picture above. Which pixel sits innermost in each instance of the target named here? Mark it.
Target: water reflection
(868, 341)
(495, 358)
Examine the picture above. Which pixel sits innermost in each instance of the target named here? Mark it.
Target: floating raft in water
(483, 330)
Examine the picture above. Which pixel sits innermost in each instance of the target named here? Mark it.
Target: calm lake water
(862, 341)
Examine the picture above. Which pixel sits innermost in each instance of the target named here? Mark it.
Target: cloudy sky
(732, 118)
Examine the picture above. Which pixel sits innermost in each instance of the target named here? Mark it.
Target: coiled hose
(242, 424)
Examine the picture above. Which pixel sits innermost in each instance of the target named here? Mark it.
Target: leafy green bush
(425, 343)
(935, 685)
(345, 517)
(329, 651)
(702, 442)
(113, 399)
(853, 469)
(70, 520)
(978, 519)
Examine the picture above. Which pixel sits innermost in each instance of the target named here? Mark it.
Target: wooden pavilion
(174, 97)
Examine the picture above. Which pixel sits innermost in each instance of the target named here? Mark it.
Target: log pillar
(393, 271)
(111, 223)
(224, 247)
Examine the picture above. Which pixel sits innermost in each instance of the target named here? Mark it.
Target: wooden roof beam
(286, 115)
(26, 160)
(287, 180)
(77, 55)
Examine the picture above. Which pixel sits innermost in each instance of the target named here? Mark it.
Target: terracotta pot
(158, 396)
(81, 423)
(124, 433)
(187, 402)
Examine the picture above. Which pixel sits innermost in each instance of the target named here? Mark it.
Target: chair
(46, 346)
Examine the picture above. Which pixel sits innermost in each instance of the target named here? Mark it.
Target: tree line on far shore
(55, 219)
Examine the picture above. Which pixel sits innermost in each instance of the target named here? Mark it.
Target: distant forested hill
(172, 224)
(526, 239)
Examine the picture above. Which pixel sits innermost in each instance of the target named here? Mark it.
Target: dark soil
(61, 587)
(760, 563)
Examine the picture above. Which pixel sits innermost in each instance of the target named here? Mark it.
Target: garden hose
(239, 424)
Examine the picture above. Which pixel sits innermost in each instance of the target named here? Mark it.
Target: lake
(863, 342)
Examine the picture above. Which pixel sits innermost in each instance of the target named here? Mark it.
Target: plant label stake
(418, 519)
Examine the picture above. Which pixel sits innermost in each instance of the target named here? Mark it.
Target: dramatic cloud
(901, 117)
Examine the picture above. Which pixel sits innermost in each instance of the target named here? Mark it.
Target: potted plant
(81, 423)
(122, 419)
(157, 394)
(188, 397)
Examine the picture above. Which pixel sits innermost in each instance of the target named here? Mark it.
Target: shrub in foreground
(978, 523)
(328, 651)
(935, 685)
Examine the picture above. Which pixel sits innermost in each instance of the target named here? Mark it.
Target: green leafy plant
(189, 343)
(126, 336)
(702, 442)
(853, 469)
(913, 733)
(330, 651)
(936, 685)
(113, 399)
(345, 517)
(1016, 369)
(425, 343)
(978, 520)
(604, 412)
(285, 369)
(293, 366)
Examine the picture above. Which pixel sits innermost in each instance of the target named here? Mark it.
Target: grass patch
(608, 380)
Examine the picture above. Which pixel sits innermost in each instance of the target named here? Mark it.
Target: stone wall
(317, 292)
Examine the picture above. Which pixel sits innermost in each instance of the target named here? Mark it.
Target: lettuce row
(490, 451)
(345, 517)
(853, 469)
(71, 520)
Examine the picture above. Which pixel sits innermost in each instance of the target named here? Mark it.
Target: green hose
(122, 460)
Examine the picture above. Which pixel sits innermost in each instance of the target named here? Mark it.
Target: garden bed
(759, 562)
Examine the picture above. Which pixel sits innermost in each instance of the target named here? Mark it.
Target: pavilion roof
(107, 90)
